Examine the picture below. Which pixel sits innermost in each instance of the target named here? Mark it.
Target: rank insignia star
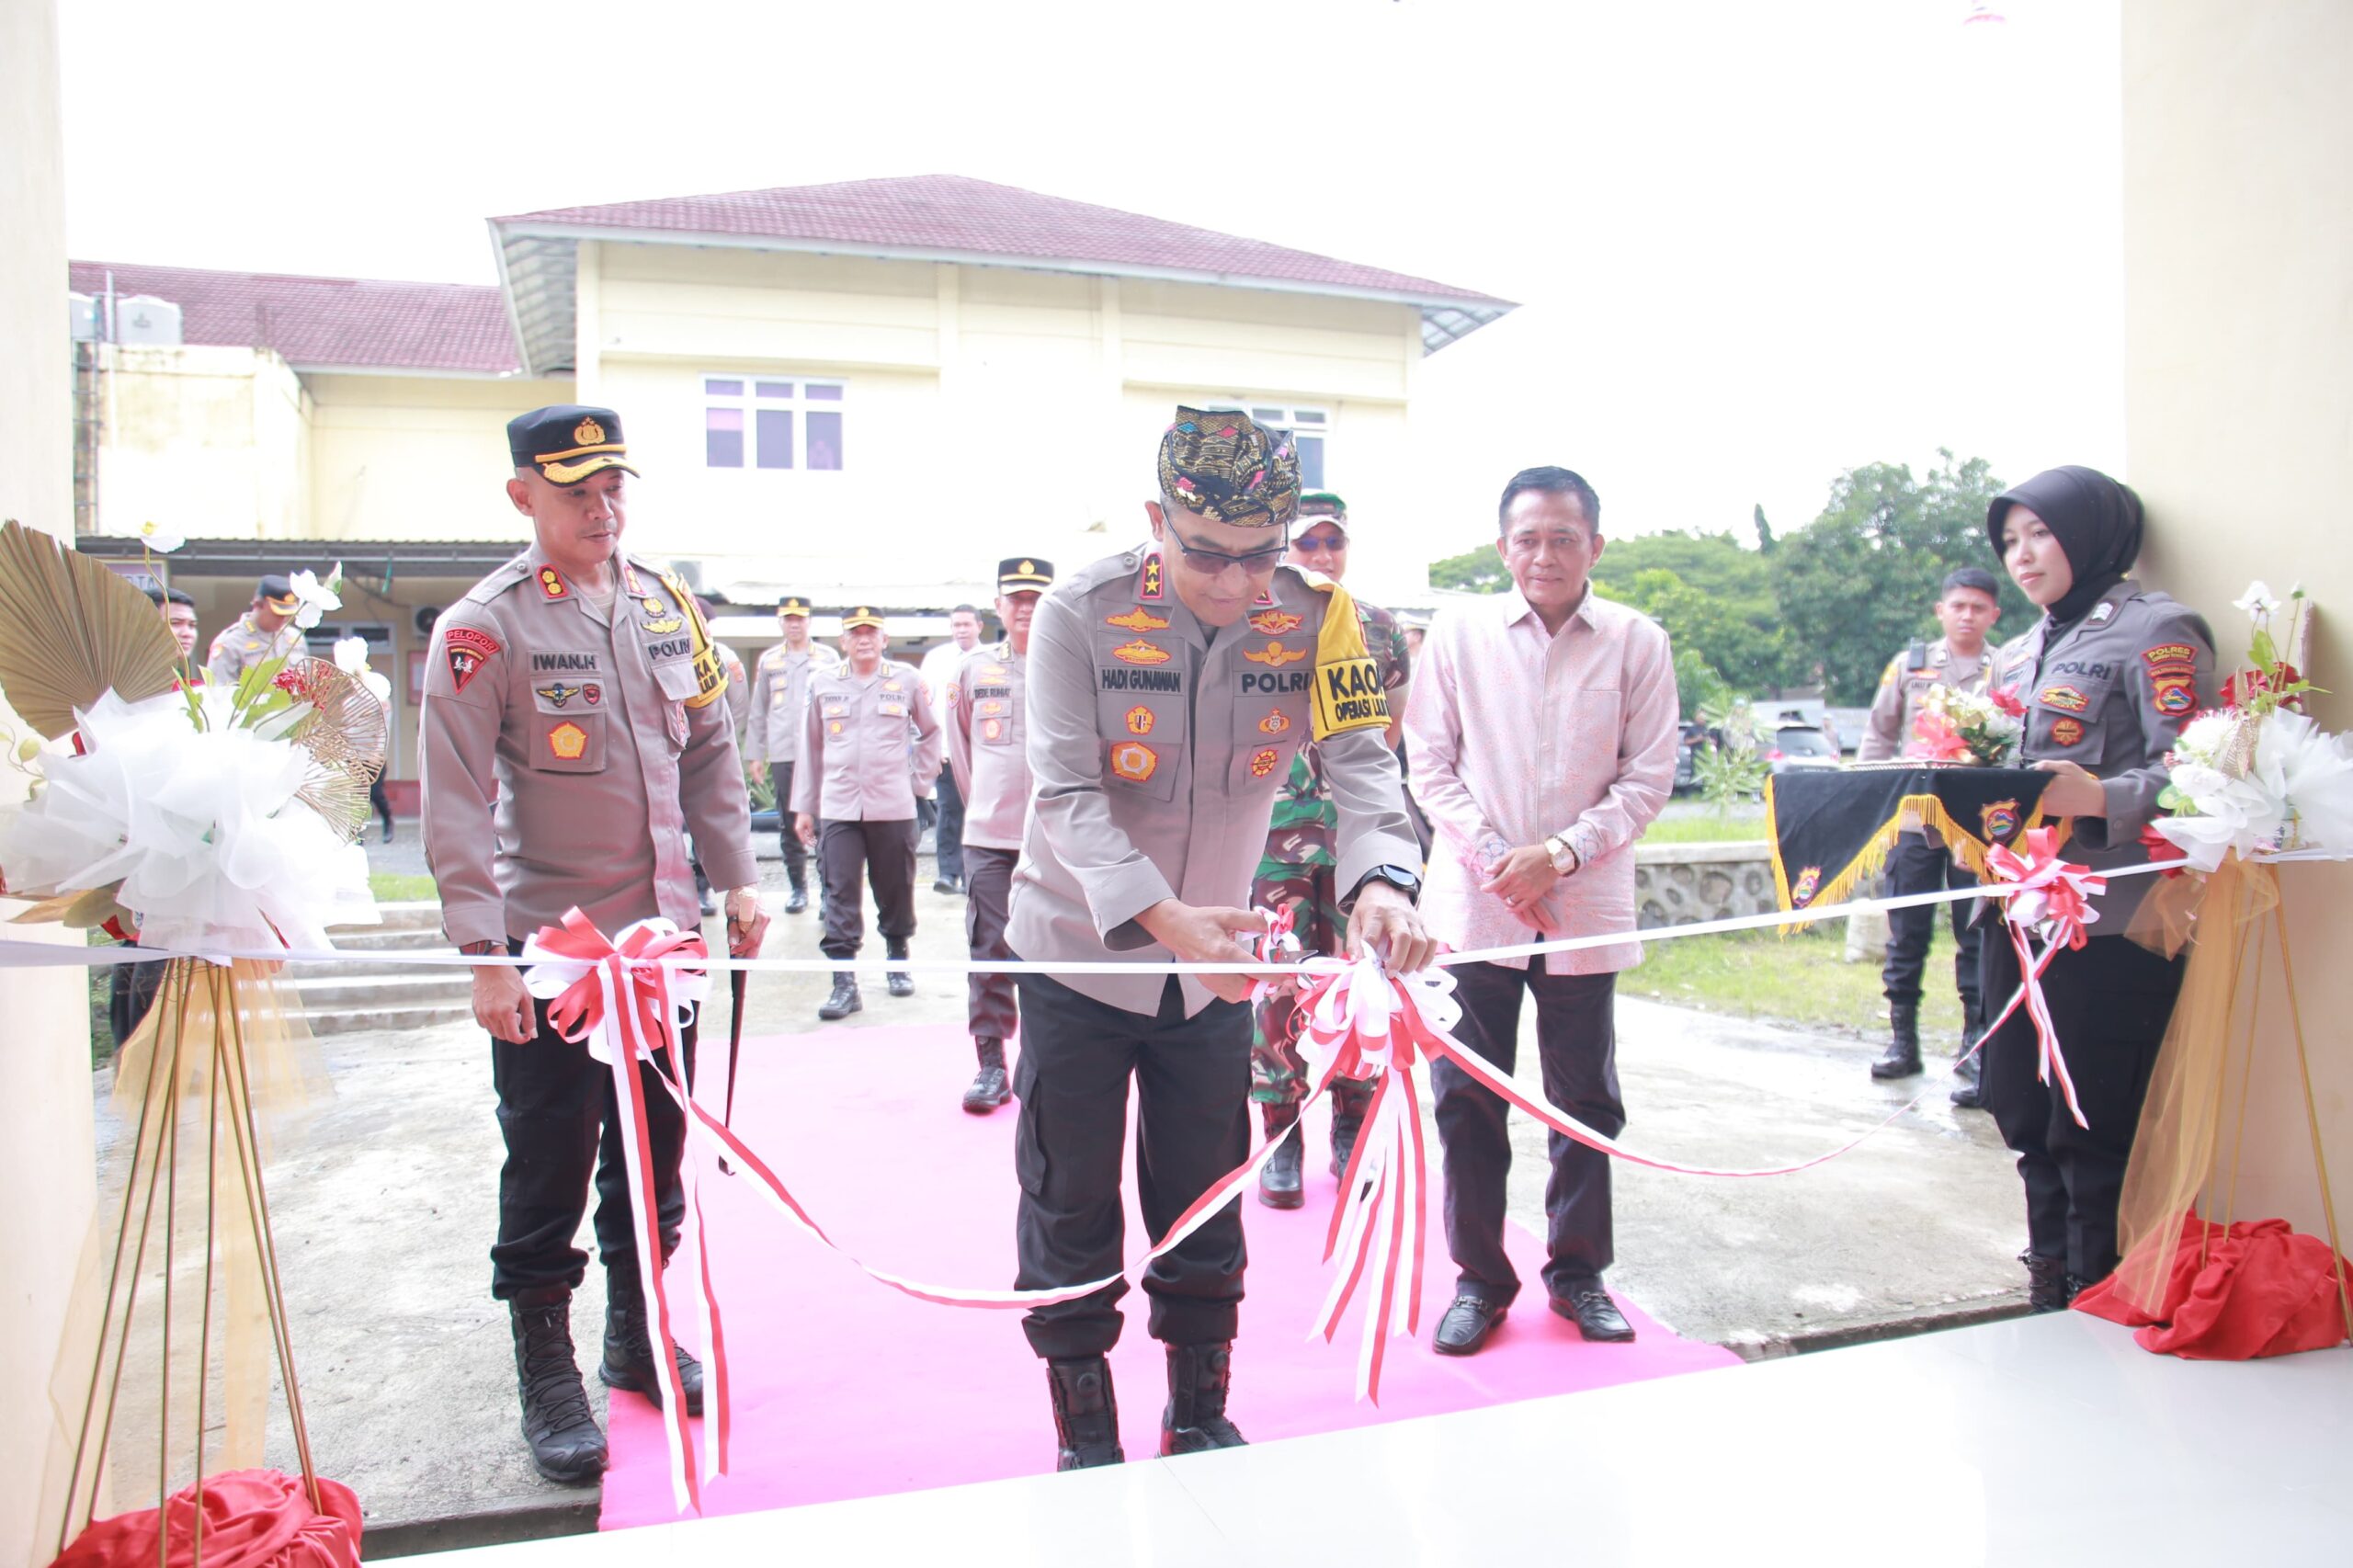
(551, 584)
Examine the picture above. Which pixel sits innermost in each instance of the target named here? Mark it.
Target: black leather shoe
(799, 903)
(1346, 1125)
(1596, 1315)
(947, 885)
(1464, 1328)
(901, 983)
(2049, 1286)
(988, 1089)
(1086, 1413)
(1968, 1088)
(843, 1002)
(1902, 1058)
(1278, 1179)
(1194, 1419)
(565, 1444)
(628, 1345)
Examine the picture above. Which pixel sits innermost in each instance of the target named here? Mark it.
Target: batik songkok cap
(1229, 469)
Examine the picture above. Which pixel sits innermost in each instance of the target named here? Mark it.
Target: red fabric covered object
(253, 1519)
(2259, 1289)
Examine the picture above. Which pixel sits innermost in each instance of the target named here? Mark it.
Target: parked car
(1796, 746)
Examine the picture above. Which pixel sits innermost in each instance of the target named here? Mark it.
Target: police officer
(1297, 871)
(858, 776)
(575, 731)
(1967, 607)
(987, 755)
(2108, 676)
(778, 705)
(266, 631)
(1169, 689)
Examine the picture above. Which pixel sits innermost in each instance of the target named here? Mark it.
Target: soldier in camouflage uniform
(1297, 871)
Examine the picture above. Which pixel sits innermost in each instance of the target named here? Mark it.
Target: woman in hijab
(2107, 677)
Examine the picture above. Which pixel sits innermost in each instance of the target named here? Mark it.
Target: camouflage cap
(1223, 466)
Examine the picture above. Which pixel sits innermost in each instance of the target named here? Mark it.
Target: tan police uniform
(243, 644)
(778, 712)
(1157, 748)
(1887, 733)
(987, 753)
(857, 774)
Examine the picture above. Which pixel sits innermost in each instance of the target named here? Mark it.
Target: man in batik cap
(1168, 690)
(987, 755)
(267, 631)
(780, 709)
(1297, 872)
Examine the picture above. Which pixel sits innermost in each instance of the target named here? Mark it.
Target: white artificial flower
(159, 539)
(2258, 600)
(2203, 738)
(316, 600)
(2315, 773)
(378, 687)
(351, 655)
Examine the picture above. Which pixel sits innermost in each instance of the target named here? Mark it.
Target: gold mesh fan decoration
(345, 734)
(70, 628)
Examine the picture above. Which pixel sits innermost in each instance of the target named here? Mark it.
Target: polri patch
(467, 650)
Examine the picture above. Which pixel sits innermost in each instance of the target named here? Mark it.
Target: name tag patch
(1140, 680)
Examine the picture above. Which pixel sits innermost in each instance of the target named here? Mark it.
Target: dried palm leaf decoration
(70, 628)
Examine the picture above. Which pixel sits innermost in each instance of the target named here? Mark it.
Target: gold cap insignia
(588, 433)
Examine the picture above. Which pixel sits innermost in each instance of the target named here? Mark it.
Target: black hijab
(2095, 520)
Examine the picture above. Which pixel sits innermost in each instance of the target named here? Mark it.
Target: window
(1310, 427)
(759, 422)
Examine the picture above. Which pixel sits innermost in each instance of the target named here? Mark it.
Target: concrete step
(410, 914)
(370, 939)
(378, 988)
(350, 1020)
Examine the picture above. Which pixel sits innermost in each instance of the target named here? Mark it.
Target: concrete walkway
(384, 1208)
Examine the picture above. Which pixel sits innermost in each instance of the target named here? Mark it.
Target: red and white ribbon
(617, 997)
(2053, 900)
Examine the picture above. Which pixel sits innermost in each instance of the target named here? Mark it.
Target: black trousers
(562, 1122)
(1576, 1044)
(885, 852)
(796, 855)
(131, 991)
(1919, 864)
(1192, 1078)
(988, 886)
(948, 845)
(2110, 1001)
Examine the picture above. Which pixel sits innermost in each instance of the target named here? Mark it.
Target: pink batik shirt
(1516, 734)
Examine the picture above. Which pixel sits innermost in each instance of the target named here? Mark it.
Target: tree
(1479, 570)
(1858, 582)
(1714, 597)
(1766, 542)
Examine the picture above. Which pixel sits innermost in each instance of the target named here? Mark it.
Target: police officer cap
(793, 604)
(864, 615)
(278, 593)
(567, 441)
(1020, 574)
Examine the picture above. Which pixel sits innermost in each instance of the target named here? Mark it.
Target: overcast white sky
(1756, 243)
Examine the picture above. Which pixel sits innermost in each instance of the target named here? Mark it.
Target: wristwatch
(1564, 854)
(1397, 877)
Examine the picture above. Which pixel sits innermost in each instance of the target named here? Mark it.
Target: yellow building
(833, 391)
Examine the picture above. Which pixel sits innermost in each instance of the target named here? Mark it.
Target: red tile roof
(952, 214)
(319, 322)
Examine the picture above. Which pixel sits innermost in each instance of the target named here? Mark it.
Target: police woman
(2108, 676)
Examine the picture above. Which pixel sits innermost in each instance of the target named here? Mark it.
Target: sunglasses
(1209, 562)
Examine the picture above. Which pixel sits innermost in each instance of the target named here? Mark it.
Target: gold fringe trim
(1933, 818)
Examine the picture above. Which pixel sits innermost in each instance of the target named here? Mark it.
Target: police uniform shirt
(241, 646)
(779, 698)
(855, 763)
(602, 736)
(1155, 752)
(2113, 693)
(987, 745)
(1888, 733)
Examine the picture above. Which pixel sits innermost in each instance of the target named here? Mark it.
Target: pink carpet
(844, 1389)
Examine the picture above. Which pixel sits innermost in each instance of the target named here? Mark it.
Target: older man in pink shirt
(1541, 729)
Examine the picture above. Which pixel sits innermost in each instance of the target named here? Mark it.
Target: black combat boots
(987, 1090)
(799, 903)
(2049, 1286)
(629, 1345)
(1195, 1418)
(901, 983)
(565, 1444)
(1278, 1179)
(844, 999)
(1348, 1121)
(1086, 1417)
(1969, 1072)
(1901, 1059)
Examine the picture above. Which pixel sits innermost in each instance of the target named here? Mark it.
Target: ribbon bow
(627, 1000)
(2052, 900)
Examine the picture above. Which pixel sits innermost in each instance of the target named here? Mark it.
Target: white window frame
(1286, 416)
(797, 407)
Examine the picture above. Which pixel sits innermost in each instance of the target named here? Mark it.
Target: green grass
(1800, 980)
(1708, 829)
(396, 887)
